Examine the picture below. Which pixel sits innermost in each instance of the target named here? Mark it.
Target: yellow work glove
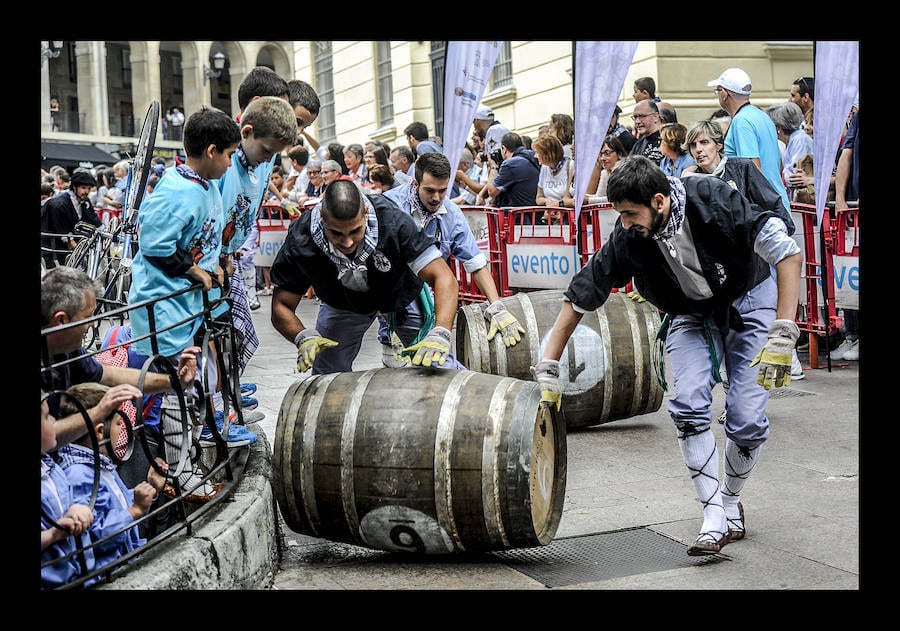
(434, 349)
(775, 357)
(309, 344)
(392, 354)
(546, 373)
(636, 296)
(504, 322)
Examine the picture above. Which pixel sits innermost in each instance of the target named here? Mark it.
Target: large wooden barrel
(606, 365)
(421, 460)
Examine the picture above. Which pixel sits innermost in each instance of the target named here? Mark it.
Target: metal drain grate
(783, 393)
(599, 557)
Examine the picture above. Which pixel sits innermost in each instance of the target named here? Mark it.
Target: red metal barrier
(590, 233)
(818, 267)
(595, 224)
(489, 227)
(276, 212)
(846, 242)
(552, 227)
(110, 218)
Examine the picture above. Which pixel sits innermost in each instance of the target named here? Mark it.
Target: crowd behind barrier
(499, 228)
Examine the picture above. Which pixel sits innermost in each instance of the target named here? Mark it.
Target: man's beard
(657, 224)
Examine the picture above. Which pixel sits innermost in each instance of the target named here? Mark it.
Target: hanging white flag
(837, 84)
(468, 67)
(600, 70)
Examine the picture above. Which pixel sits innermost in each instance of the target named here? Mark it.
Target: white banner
(837, 84)
(272, 233)
(468, 67)
(600, 70)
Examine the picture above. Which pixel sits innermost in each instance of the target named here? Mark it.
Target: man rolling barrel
(700, 251)
(362, 256)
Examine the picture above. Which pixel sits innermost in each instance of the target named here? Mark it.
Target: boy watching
(268, 126)
(181, 242)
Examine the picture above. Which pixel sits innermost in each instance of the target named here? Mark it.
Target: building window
(438, 62)
(323, 65)
(384, 71)
(73, 63)
(501, 77)
(126, 67)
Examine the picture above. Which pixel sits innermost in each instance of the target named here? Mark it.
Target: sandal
(736, 530)
(202, 498)
(195, 498)
(706, 545)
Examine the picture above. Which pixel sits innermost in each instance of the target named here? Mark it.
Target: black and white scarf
(419, 214)
(667, 233)
(352, 273)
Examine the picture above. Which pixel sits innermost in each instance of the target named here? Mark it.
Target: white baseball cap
(734, 80)
(484, 113)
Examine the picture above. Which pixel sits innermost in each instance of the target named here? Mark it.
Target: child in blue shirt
(181, 228)
(62, 520)
(268, 126)
(116, 506)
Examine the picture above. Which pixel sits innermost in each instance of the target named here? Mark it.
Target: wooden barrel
(606, 365)
(420, 460)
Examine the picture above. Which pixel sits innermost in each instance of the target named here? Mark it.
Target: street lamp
(50, 52)
(218, 63)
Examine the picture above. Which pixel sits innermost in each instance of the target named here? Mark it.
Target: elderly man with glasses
(331, 171)
(647, 124)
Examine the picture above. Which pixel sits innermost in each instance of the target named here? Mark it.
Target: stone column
(93, 105)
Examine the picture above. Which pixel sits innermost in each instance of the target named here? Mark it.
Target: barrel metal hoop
(348, 440)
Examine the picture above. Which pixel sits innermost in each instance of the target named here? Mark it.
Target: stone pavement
(629, 512)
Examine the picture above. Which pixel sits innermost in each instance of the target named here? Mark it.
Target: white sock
(702, 459)
(217, 401)
(739, 463)
(173, 439)
(248, 274)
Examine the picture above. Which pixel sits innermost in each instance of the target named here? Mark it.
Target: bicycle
(108, 255)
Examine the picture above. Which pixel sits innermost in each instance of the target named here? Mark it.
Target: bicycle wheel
(140, 168)
(79, 258)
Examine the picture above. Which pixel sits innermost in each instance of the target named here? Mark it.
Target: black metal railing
(169, 514)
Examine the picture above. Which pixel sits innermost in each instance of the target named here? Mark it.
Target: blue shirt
(448, 226)
(752, 134)
(428, 146)
(517, 179)
(181, 216)
(86, 369)
(56, 498)
(851, 141)
(243, 190)
(111, 514)
(675, 167)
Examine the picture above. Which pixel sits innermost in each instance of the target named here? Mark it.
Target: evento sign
(272, 233)
(540, 266)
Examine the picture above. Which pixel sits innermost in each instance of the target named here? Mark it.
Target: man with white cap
(752, 133)
(490, 131)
